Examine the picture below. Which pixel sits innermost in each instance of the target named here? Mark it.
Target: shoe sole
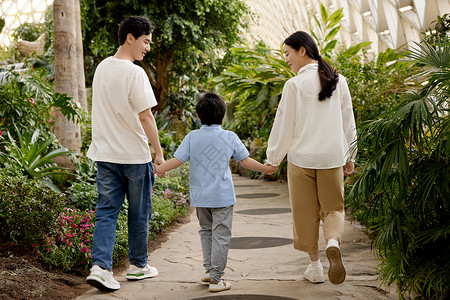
(336, 273)
(99, 285)
(220, 290)
(315, 282)
(143, 276)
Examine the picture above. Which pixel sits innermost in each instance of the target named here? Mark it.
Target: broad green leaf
(262, 95)
(330, 46)
(332, 33)
(324, 13)
(335, 18)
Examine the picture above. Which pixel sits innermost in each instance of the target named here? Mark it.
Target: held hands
(269, 169)
(158, 162)
(157, 172)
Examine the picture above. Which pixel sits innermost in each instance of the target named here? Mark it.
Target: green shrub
(163, 214)
(177, 181)
(120, 252)
(28, 209)
(82, 195)
(28, 31)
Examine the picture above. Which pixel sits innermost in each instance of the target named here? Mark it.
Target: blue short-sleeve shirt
(209, 150)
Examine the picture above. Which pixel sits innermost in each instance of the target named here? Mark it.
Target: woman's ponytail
(328, 76)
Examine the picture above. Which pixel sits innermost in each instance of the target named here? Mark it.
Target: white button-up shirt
(314, 134)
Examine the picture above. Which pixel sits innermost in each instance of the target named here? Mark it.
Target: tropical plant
(28, 31)
(28, 100)
(253, 86)
(32, 156)
(404, 188)
(328, 27)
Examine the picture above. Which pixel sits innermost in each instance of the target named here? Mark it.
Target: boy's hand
(159, 174)
(269, 169)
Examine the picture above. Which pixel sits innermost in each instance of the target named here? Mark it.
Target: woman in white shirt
(315, 127)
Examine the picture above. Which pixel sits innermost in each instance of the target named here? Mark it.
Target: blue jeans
(114, 182)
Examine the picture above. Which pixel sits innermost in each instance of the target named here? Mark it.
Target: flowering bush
(179, 200)
(68, 246)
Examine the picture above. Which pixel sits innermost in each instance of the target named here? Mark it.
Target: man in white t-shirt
(122, 126)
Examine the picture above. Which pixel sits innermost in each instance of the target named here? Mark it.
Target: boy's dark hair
(135, 25)
(211, 109)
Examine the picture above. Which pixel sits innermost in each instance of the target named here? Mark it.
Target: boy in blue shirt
(209, 150)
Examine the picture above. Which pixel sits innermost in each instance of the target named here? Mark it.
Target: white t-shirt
(314, 134)
(120, 91)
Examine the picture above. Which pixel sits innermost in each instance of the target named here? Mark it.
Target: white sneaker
(135, 273)
(218, 287)
(206, 277)
(102, 279)
(336, 272)
(314, 274)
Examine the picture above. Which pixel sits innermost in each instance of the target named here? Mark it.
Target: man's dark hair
(211, 109)
(135, 25)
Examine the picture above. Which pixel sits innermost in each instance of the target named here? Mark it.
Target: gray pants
(215, 235)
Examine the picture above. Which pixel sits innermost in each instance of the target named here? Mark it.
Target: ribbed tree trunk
(80, 58)
(66, 73)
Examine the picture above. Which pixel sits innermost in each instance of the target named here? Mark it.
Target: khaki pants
(316, 195)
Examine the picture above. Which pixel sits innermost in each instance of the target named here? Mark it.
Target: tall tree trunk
(66, 73)
(80, 59)
(163, 62)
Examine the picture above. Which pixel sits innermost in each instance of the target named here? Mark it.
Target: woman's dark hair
(211, 109)
(329, 77)
(135, 25)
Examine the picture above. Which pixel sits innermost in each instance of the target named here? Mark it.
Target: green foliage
(375, 85)
(404, 188)
(82, 195)
(2, 24)
(28, 100)
(440, 29)
(163, 214)
(328, 27)
(28, 31)
(177, 181)
(28, 209)
(32, 156)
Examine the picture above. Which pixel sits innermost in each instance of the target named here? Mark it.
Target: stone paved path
(262, 262)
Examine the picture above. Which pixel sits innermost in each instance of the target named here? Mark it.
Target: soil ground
(23, 277)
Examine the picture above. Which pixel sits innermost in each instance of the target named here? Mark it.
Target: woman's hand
(348, 168)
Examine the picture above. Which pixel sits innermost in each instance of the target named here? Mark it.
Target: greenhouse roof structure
(385, 23)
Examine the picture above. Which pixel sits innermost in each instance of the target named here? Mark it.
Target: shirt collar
(213, 126)
(310, 66)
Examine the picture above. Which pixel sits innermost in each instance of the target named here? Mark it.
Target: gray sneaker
(135, 273)
(102, 279)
